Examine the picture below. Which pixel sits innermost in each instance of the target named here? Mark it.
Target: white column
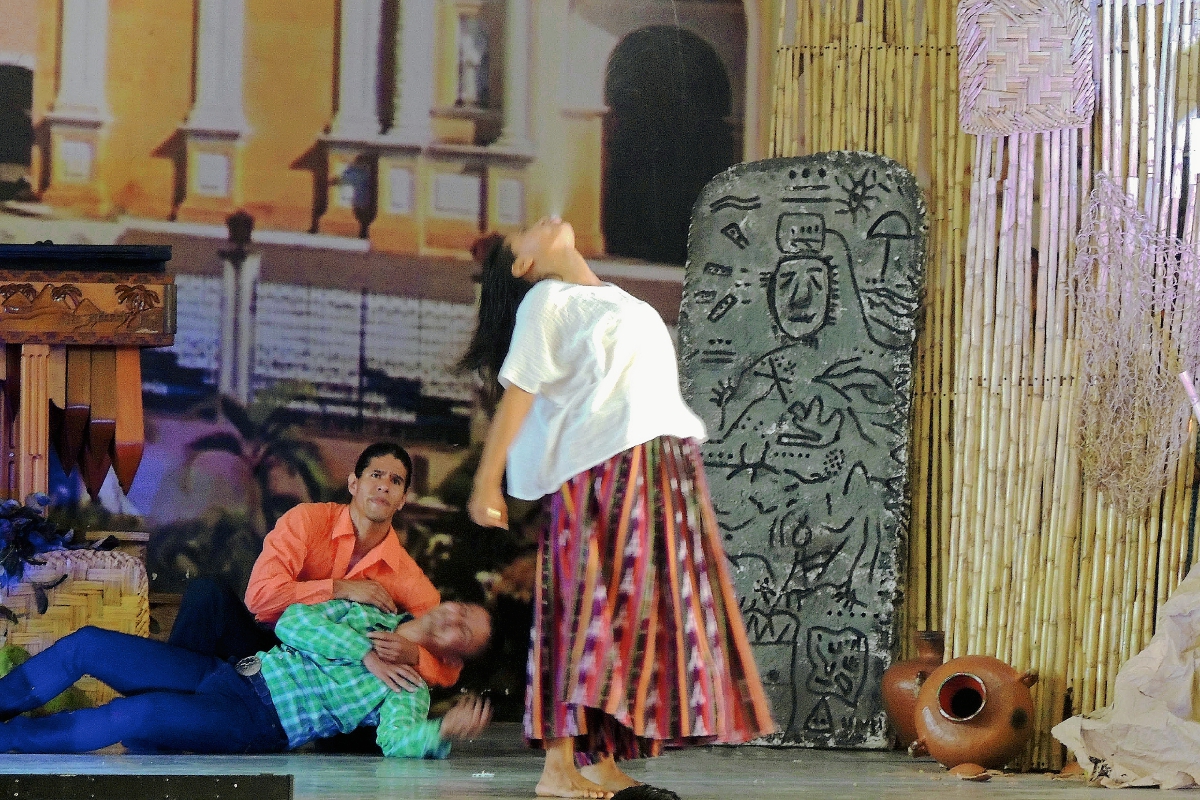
(84, 69)
(245, 341)
(517, 40)
(237, 324)
(220, 44)
(227, 353)
(358, 84)
(415, 72)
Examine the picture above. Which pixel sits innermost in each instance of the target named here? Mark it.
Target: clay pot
(902, 681)
(974, 709)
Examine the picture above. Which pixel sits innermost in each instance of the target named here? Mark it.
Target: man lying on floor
(327, 676)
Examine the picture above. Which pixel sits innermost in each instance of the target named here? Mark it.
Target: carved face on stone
(799, 294)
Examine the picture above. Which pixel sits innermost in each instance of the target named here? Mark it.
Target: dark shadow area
(385, 92)
(174, 149)
(363, 176)
(315, 160)
(666, 136)
(16, 131)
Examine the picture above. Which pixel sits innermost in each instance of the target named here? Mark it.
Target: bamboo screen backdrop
(1012, 551)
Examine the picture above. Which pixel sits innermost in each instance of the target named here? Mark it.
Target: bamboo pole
(1066, 531)
(1119, 98)
(1133, 161)
(1099, 605)
(1011, 408)
(1106, 91)
(1185, 100)
(999, 321)
(1172, 138)
(1188, 83)
(983, 191)
(977, 466)
(1153, 116)
(1137, 544)
(1084, 628)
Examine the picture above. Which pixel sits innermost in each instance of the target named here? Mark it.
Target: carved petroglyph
(803, 285)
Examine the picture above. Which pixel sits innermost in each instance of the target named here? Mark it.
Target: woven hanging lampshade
(1024, 66)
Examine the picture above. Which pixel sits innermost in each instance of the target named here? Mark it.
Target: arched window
(666, 135)
(16, 130)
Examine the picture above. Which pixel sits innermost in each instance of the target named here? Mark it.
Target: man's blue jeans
(213, 621)
(174, 700)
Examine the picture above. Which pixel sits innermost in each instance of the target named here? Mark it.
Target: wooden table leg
(130, 439)
(33, 421)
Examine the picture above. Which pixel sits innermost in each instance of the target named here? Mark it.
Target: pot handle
(1029, 678)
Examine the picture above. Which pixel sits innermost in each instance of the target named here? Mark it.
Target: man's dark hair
(645, 791)
(384, 449)
(491, 637)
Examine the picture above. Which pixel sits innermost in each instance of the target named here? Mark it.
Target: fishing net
(1137, 294)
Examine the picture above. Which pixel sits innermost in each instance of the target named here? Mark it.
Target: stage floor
(499, 766)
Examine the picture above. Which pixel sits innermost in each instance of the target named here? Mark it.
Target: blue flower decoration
(24, 534)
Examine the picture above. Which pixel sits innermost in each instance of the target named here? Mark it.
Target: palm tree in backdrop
(271, 446)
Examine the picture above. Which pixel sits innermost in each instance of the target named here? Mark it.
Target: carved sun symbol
(858, 194)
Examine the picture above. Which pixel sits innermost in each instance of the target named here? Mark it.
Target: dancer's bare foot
(570, 786)
(609, 775)
(560, 778)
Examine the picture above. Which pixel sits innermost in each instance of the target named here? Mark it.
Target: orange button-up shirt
(311, 547)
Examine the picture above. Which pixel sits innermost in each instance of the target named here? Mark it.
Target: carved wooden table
(72, 320)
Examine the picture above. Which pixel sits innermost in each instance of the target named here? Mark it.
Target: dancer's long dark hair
(500, 295)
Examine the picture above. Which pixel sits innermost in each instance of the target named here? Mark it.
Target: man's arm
(321, 629)
(438, 673)
(274, 581)
(405, 730)
(339, 630)
(417, 594)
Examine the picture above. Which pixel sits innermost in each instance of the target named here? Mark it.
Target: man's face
(381, 489)
(460, 630)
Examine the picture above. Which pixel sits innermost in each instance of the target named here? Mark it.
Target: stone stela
(803, 285)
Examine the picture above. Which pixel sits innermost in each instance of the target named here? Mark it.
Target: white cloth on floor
(1150, 735)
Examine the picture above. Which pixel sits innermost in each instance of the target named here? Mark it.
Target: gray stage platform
(498, 766)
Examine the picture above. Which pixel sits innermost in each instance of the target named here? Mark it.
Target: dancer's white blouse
(601, 365)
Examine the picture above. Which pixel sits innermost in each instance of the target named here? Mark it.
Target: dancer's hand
(364, 590)
(487, 507)
(394, 648)
(397, 677)
(467, 719)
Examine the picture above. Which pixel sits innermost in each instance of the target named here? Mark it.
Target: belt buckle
(250, 665)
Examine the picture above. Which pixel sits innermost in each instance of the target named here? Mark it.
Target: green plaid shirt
(320, 687)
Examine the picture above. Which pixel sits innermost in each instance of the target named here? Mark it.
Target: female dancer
(637, 640)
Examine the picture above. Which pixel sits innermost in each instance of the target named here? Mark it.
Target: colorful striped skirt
(637, 638)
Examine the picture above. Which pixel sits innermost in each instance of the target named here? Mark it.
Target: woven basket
(104, 589)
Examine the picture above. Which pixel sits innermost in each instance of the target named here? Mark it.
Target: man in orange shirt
(319, 552)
